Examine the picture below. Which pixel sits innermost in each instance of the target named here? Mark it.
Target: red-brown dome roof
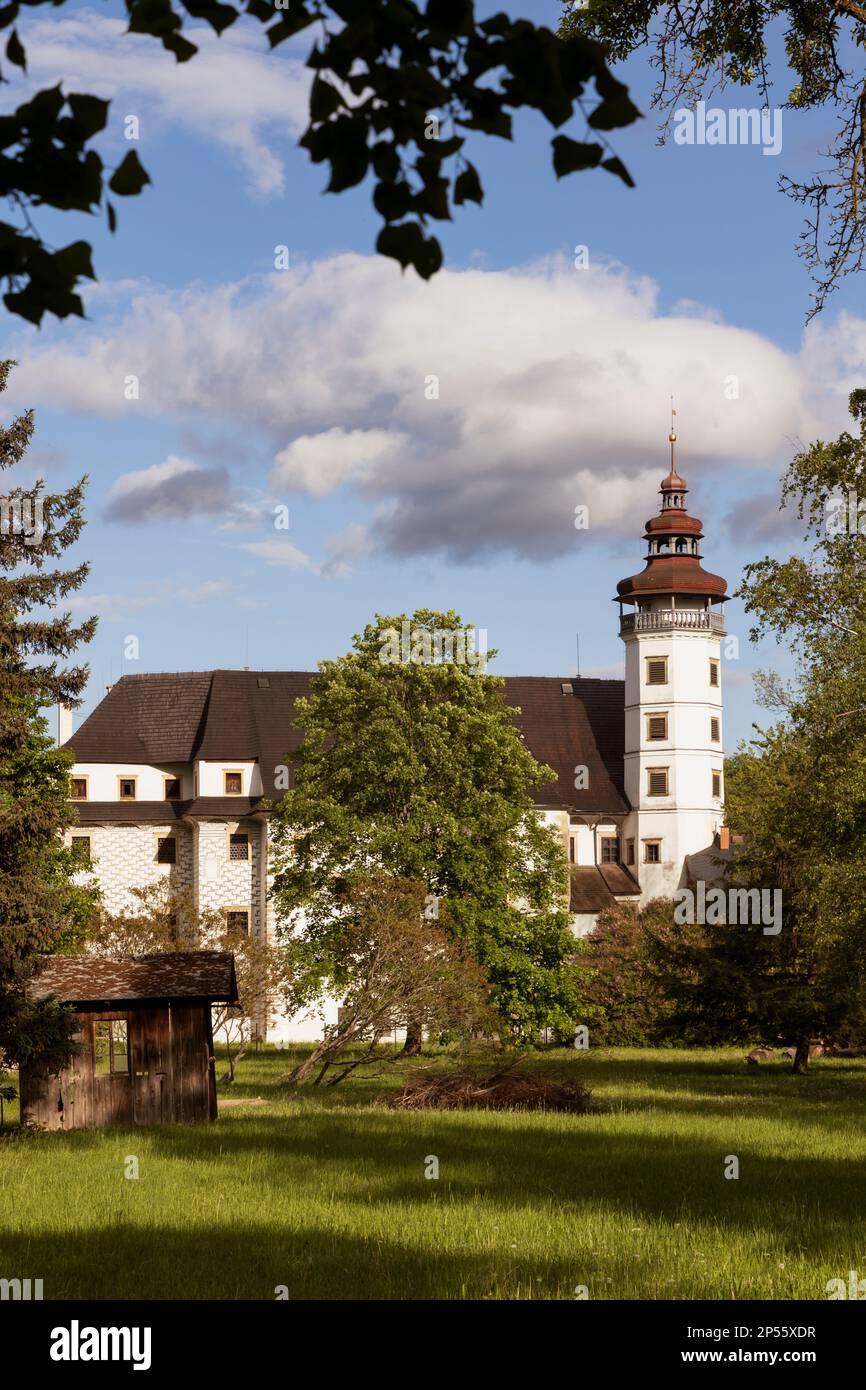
(673, 574)
(674, 522)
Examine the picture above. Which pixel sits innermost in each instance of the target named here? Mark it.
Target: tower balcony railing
(673, 619)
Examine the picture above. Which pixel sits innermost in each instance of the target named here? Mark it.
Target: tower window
(714, 671)
(715, 730)
(657, 781)
(233, 783)
(652, 851)
(171, 789)
(78, 788)
(656, 726)
(717, 783)
(610, 849)
(656, 670)
(126, 788)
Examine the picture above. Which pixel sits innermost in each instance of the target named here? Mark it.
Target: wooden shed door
(150, 1057)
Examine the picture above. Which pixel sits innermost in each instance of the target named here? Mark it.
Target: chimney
(64, 724)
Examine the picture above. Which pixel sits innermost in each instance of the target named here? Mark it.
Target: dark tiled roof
(128, 812)
(246, 715)
(167, 975)
(711, 865)
(146, 719)
(163, 812)
(594, 889)
(618, 879)
(567, 731)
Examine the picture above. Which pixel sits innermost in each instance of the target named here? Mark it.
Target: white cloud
(321, 462)
(351, 544)
(234, 93)
(113, 607)
(471, 413)
(281, 553)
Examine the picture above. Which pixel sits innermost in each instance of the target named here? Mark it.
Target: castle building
(173, 771)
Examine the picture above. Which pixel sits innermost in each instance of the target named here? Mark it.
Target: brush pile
(506, 1089)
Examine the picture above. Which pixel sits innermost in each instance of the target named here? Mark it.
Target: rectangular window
(714, 671)
(166, 849)
(126, 788)
(111, 1047)
(81, 851)
(629, 851)
(571, 849)
(171, 790)
(239, 846)
(715, 729)
(610, 849)
(237, 921)
(233, 783)
(78, 789)
(656, 670)
(657, 781)
(717, 783)
(656, 727)
(652, 851)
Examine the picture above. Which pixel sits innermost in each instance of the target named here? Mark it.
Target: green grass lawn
(326, 1194)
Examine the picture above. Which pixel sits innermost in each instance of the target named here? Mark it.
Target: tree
(167, 919)
(387, 75)
(622, 952)
(796, 794)
(698, 46)
(42, 909)
(397, 963)
(414, 768)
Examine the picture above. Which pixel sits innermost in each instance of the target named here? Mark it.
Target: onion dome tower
(673, 567)
(673, 695)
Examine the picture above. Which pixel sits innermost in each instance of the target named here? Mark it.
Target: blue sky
(304, 388)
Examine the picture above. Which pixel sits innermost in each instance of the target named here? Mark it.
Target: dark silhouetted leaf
(129, 177)
(408, 245)
(571, 155)
(467, 187)
(614, 165)
(15, 52)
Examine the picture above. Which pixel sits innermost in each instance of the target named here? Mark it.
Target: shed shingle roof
(166, 975)
(244, 715)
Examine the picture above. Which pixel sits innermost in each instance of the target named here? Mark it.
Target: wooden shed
(147, 1036)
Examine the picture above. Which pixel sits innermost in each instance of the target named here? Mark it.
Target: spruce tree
(42, 909)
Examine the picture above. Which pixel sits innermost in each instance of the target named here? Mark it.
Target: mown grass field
(326, 1194)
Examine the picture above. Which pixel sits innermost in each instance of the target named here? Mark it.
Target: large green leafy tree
(416, 769)
(796, 795)
(397, 86)
(41, 907)
(700, 46)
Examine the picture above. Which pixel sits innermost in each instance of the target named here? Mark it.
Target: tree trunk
(801, 1058)
(300, 1072)
(412, 1045)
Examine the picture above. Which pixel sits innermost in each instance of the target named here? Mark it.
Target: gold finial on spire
(673, 434)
